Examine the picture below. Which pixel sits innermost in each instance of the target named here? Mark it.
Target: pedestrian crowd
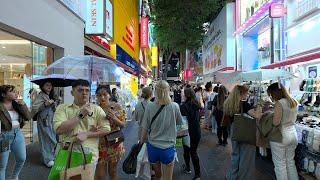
(96, 129)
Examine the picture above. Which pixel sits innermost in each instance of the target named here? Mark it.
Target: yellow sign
(126, 26)
(154, 56)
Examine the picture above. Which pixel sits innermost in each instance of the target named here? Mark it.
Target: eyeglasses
(87, 90)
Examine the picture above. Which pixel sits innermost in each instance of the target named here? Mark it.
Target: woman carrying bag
(43, 109)
(159, 124)
(285, 115)
(191, 109)
(110, 152)
(13, 114)
(243, 155)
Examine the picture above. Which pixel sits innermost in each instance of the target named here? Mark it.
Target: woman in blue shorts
(159, 125)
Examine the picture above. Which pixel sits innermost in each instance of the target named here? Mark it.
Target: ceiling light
(3, 47)
(14, 42)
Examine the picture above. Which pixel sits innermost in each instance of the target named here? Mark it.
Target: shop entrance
(20, 61)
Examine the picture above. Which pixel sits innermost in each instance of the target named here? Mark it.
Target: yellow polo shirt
(67, 111)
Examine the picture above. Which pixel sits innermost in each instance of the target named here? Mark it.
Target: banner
(144, 32)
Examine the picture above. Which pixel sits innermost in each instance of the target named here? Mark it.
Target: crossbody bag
(155, 116)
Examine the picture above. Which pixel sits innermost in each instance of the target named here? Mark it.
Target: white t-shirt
(14, 118)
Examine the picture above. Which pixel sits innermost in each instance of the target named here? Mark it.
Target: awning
(295, 59)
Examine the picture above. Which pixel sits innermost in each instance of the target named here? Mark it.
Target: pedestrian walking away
(159, 122)
(191, 109)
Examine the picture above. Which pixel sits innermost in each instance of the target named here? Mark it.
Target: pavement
(214, 160)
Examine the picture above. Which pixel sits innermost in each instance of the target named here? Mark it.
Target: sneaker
(225, 143)
(50, 164)
(186, 169)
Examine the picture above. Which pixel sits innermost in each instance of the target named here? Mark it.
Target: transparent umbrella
(90, 68)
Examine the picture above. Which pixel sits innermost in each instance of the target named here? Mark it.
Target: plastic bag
(143, 165)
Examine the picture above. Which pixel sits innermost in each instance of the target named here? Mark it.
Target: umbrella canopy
(90, 68)
(263, 75)
(57, 80)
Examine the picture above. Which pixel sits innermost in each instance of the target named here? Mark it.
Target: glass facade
(20, 61)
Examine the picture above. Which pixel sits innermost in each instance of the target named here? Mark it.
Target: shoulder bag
(155, 116)
(244, 128)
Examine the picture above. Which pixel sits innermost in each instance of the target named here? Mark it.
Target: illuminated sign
(109, 19)
(154, 56)
(95, 17)
(277, 10)
(144, 32)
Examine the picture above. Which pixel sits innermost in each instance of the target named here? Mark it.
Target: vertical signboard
(95, 17)
(154, 56)
(144, 32)
(109, 19)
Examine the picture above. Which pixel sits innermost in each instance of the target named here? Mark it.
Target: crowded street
(212, 158)
(160, 89)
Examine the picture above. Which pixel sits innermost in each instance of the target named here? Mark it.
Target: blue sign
(125, 59)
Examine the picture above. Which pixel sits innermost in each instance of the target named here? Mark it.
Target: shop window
(20, 61)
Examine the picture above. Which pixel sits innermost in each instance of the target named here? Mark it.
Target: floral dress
(115, 151)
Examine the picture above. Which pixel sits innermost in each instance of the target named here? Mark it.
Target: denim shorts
(164, 156)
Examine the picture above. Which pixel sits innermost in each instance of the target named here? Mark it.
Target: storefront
(218, 50)
(259, 37)
(302, 42)
(126, 42)
(40, 33)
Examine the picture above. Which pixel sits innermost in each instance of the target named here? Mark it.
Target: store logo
(277, 10)
(128, 38)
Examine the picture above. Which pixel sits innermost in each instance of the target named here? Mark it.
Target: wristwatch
(80, 115)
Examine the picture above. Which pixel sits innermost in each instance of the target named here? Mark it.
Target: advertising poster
(218, 50)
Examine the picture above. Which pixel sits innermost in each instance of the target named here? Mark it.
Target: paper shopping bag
(61, 162)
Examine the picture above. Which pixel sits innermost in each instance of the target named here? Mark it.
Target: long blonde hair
(231, 105)
(277, 91)
(162, 92)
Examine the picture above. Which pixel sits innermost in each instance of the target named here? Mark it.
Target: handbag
(129, 165)
(5, 139)
(83, 171)
(226, 120)
(114, 137)
(244, 128)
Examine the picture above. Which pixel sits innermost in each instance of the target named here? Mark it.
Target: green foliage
(179, 23)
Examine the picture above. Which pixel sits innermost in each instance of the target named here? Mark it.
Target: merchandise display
(308, 128)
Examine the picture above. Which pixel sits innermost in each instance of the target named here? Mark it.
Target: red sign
(277, 10)
(128, 39)
(144, 32)
(100, 41)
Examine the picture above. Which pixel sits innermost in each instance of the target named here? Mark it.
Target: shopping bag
(130, 163)
(244, 129)
(179, 142)
(84, 171)
(143, 165)
(182, 130)
(61, 162)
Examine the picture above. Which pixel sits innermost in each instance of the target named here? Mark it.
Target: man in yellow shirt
(81, 120)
